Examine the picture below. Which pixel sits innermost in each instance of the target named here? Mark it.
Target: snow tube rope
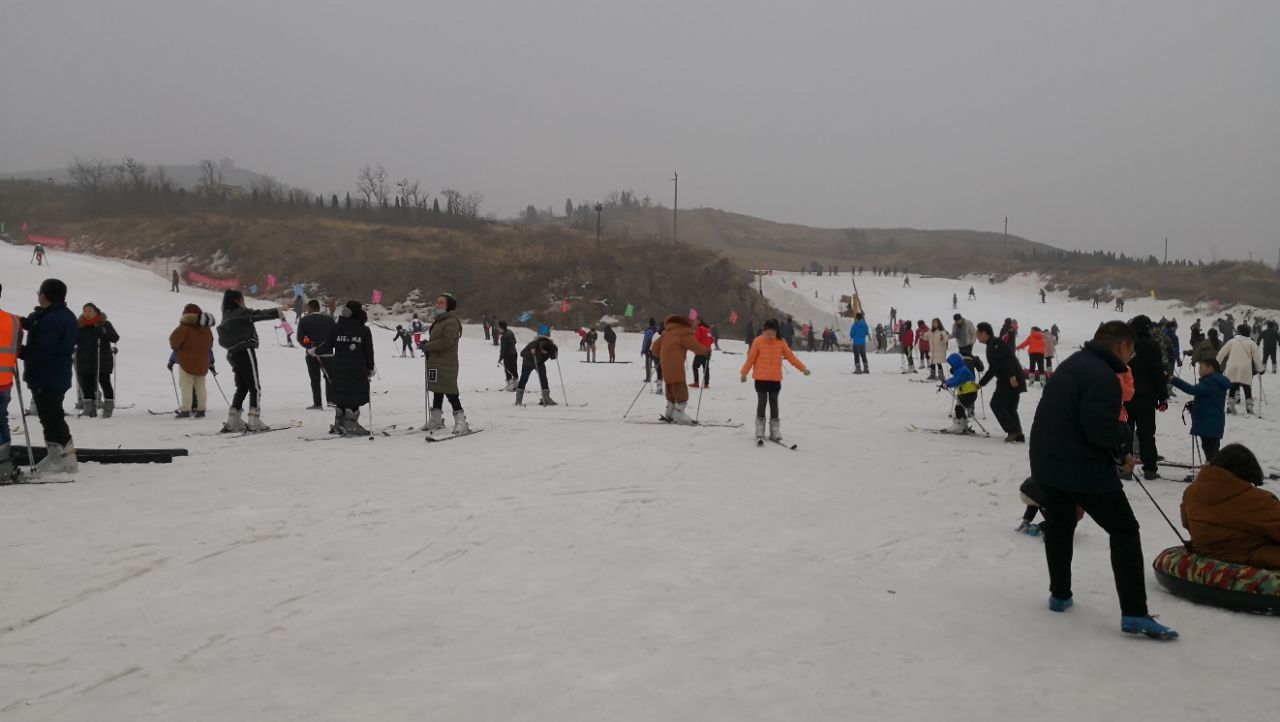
(1202, 580)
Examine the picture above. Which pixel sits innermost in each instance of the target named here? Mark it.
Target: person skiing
(1207, 348)
(1241, 360)
(590, 340)
(192, 345)
(416, 327)
(1053, 331)
(544, 329)
(442, 365)
(788, 332)
(1042, 296)
(313, 330)
(10, 341)
(349, 350)
(858, 333)
(173, 281)
(1034, 344)
(703, 334)
(38, 253)
(810, 340)
(1050, 350)
(937, 338)
(47, 357)
(484, 325)
(715, 338)
(1011, 382)
(964, 333)
(650, 361)
(288, 331)
(611, 342)
(972, 295)
(1074, 441)
(764, 363)
(534, 357)
(676, 341)
(236, 334)
(1150, 393)
(1270, 338)
(907, 339)
(299, 309)
(882, 341)
(507, 354)
(406, 344)
(922, 347)
(965, 385)
(95, 359)
(955, 302)
(1208, 399)
(906, 280)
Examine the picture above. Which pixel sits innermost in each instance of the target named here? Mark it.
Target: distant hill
(182, 176)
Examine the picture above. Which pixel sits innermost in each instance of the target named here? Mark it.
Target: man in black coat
(46, 357)
(313, 330)
(350, 365)
(1150, 392)
(1077, 443)
(1011, 382)
(507, 354)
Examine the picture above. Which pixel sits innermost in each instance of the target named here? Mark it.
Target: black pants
(315, 372)
(527, 368)
(705, 363)
(52, 418)
(1210, 447)
(966, 350)
(244, 369)
(767, 395)
(965, 407)
(1037, 364)
(1268, 355)
(859, 355)
(406, 346)
(509, 366)
(1236, 388)
(1142, 412)
(1048, 362)
(89, 389)
(437, 401)
(1004, 404)
(652, 363)
(1112, 512)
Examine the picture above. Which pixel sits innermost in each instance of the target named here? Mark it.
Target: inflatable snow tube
(1202, 580)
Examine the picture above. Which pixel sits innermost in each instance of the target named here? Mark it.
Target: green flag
(631, 311)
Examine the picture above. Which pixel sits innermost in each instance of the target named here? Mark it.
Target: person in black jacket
(95, 360)
(350, 352)
(507, 354)
(611, 341)
(1011, 382)
(238, 336)
(535, 357)
(1077, 443)
(313, 330)
(46, 356)
(1150, 392)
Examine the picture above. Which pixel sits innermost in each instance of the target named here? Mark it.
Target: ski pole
(1176, 533)
(218, 383)
(698, 412)
(563, 392)
(177, 399)
(643, 387)
(26, 431)
(426, 393)
(370, 417)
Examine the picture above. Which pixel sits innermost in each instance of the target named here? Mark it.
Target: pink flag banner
(199, 279)
(693, 314)
(50, 241)
(564, 306)
(271, 281)
(733, 317)
(377, 296)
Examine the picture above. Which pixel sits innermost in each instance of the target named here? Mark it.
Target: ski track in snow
(576, 567)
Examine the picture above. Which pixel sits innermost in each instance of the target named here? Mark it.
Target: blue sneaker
(1060, 605)
(1148, 626)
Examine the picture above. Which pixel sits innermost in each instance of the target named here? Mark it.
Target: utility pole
(675, 209)
(599, 209)
(1006, 236)
(1166, 250)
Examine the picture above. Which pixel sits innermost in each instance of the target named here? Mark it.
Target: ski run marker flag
(377, 296)
(564, 306)
(631, 311)
(271, 280)
(693, 314)
(733, 317)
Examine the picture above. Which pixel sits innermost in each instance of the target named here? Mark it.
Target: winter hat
(190, 308)
(450, 303)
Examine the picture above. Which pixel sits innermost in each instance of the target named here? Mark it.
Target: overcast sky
(1090, 124)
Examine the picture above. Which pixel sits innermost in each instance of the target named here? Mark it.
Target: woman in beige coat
(938, 339)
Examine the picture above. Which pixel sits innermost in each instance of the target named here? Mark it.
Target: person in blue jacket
(858, 333)
(47, 354)
(645, 343)
(965, 385)
(1208, 406)
(544, 329)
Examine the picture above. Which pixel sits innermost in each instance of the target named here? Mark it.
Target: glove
(742, 379)
(1164, 406)
(170, 365)
(807, 372)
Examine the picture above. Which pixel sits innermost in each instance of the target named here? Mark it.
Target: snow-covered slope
(569, 565)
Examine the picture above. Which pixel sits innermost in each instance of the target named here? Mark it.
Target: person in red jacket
(1034, 344)
(907, 338)
(703, 335)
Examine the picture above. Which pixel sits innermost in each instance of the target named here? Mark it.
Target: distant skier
(906, 281)
(534, 357)
(544, 329)
(1042, 296)
(703, 334)
(955, 302)
(649, 360)
(349, 350)
(964, 333)
(715, 337)
(95, 358)
(1270, 338)
(507, 354)
(1034, 344)
(313, 330)
(288, 331)
(416, 327)
(590, 340)
(671, 348)
(764, 362)
(37, 254)
(937, 338)
(858, 333)
(882, 341)
(610, 342)
(442, 365)
(906, 339)
(173, 281)
(1050, 351)
(236, 334)
(973, 296)
(406, 345)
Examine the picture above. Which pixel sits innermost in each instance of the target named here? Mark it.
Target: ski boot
(669, 414)
(1147, 626)
(760, 429)
(180, 414)
(460, 425)
(436, 420)
(511, 385)
(546, 399)
(108, 408)
(775, 430)
(1028, 528)
(90, 408)
(351, 423)
(679, 416)
(234, 423)
(254, 421)
(1248, 406)
(9, 472)
(519, 397)
(1231, 405)
(1059, 605)
(59, 459)
(198, 413)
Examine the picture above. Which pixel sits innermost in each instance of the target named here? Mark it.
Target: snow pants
(677, 393)
(1112, 512)
(1236, 388)
(89, 386)
(651, 363)
(509, 366)
(1142, 412)
(1210, 447)
(965, 407)
(187, 385)
(705, 363)
(1037, 365)
(860, 355)
(315, 372)
(527, 369)
(1004, 404)
(244, 369)
(53, 420)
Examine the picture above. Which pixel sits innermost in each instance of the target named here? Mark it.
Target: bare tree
(408, 192)
(371, 182)
(160, 178)
(210, 178)
(91, 174)
(459, 204)
(268, 188)
(131, 174)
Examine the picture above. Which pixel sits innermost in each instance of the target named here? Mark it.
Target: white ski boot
(519, 397)
(1231, 405)
(436, 421)
(108, 408)
(679, 416)
(775, 429)
(958, 426)
(669, 413)
(760, 429)
(254, 421)
(1248, 406)
(59, 459)
(234, 423)
(511, 385)
(460, 425)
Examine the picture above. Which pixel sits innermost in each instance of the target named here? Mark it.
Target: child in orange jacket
(1035, 350)
(765, 356)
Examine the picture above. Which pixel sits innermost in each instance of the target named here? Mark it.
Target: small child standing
(764, 361)
(965, 385)
(1208, 406)
(288, 332)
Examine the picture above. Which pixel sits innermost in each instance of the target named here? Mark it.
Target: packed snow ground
(569, 565)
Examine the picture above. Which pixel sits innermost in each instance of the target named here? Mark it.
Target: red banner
(733, 317)
(49, 241)
(199, 279)
(564, 306)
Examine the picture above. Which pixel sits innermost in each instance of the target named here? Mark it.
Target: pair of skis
(779, 442)
(944, 432)
(727, 423)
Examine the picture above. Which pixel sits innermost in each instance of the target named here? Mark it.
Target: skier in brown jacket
(676, 341)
